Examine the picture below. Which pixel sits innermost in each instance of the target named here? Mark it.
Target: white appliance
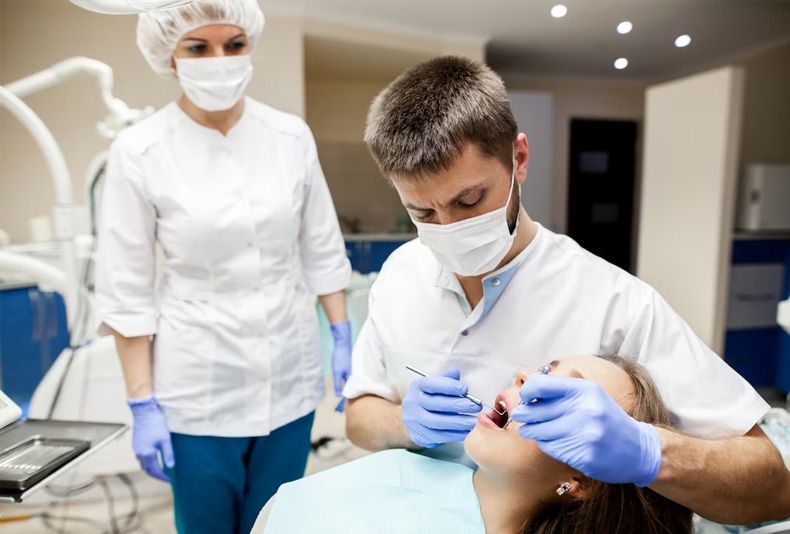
(764, 198)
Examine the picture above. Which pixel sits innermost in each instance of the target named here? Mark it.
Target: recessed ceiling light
(620, 63)
(683, 41)
(624, 27)
(559, 11)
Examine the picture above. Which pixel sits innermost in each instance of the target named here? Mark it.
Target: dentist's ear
(522, 158)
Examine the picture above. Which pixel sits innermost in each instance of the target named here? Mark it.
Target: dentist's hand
(434, 412)
(150, 437)
(576, 422)
(341, 355)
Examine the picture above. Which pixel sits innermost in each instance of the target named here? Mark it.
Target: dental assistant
(221, 352)
(485, 289)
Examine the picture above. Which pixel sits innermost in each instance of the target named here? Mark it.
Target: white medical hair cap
(158, 32)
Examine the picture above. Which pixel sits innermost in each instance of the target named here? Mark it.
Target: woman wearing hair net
(221, 356)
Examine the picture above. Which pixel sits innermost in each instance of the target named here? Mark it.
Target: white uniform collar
(446, 279)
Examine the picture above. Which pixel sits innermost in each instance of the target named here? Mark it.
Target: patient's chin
(506, 451)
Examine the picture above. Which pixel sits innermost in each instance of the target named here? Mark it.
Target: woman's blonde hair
(620, 508)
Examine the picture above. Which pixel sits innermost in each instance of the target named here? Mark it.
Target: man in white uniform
(486, 292)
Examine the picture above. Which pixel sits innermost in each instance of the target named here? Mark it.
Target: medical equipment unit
(33, 452)
(763, 199)
(467, 396)
(85, 382)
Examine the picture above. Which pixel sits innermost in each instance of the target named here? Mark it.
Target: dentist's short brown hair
(422, 121)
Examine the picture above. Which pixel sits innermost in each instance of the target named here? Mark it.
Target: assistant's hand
(150, 437)
(341, 355)
(434, 411)
(576, 422)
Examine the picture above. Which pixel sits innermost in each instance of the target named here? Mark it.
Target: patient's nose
(521, 378)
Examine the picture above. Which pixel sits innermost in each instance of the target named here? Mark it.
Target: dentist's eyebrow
(461, 194)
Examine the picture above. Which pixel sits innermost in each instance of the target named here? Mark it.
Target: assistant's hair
(421, 122)
(622, 508)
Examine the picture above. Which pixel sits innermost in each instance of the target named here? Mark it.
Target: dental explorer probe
(467, 396)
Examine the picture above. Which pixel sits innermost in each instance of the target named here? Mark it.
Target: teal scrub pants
(221, 484)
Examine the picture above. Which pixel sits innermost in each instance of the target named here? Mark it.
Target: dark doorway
(601, 188)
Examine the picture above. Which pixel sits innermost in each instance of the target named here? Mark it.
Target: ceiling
(522, 35)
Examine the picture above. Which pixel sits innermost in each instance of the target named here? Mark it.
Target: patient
(515, 489)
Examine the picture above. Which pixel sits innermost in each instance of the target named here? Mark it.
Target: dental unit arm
(64, 210)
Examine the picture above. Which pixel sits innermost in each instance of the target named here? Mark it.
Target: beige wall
(692, 129)
(583, 99)
(766, 118)
(37, 33)
(336, 111)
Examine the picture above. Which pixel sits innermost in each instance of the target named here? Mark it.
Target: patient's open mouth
(492, 419)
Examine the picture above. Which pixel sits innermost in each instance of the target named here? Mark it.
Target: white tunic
(554, 299)
(249, 236)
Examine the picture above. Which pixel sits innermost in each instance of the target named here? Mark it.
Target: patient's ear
(580, 488)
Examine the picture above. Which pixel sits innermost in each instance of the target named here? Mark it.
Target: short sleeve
(324, 261)
(705, 396)
(368, 365)
(126, 266)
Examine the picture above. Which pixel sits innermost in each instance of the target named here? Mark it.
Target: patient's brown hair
(620, 508)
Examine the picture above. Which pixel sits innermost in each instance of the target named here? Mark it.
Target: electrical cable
(133, 518)
(69, 491)
(113, 520)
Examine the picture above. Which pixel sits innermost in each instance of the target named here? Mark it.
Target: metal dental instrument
(545, 370)
(468, 396)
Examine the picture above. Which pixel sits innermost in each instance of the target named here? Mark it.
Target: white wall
(692, 132)
(37, 33)
(583, 99)
(534, 113)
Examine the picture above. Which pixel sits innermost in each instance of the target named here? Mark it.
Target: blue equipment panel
(33, 332)
(761, 355)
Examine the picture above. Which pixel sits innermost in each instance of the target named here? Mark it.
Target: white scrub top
(558, 300)
(250, 237)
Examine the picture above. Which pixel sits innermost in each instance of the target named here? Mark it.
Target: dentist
(221, 352)
(486, 289)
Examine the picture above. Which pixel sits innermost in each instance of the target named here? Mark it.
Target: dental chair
(776, 528)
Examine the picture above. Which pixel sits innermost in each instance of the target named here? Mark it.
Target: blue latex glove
(434, 412)
(576, 422)
(150, 437)
(341, 355)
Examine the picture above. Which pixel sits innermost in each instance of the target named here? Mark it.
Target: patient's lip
(485, 419)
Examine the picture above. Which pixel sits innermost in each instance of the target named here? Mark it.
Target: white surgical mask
(473, 246)
(214, 83)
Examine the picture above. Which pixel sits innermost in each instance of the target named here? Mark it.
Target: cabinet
(33, 332)
(761, 354)
(368, 252)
